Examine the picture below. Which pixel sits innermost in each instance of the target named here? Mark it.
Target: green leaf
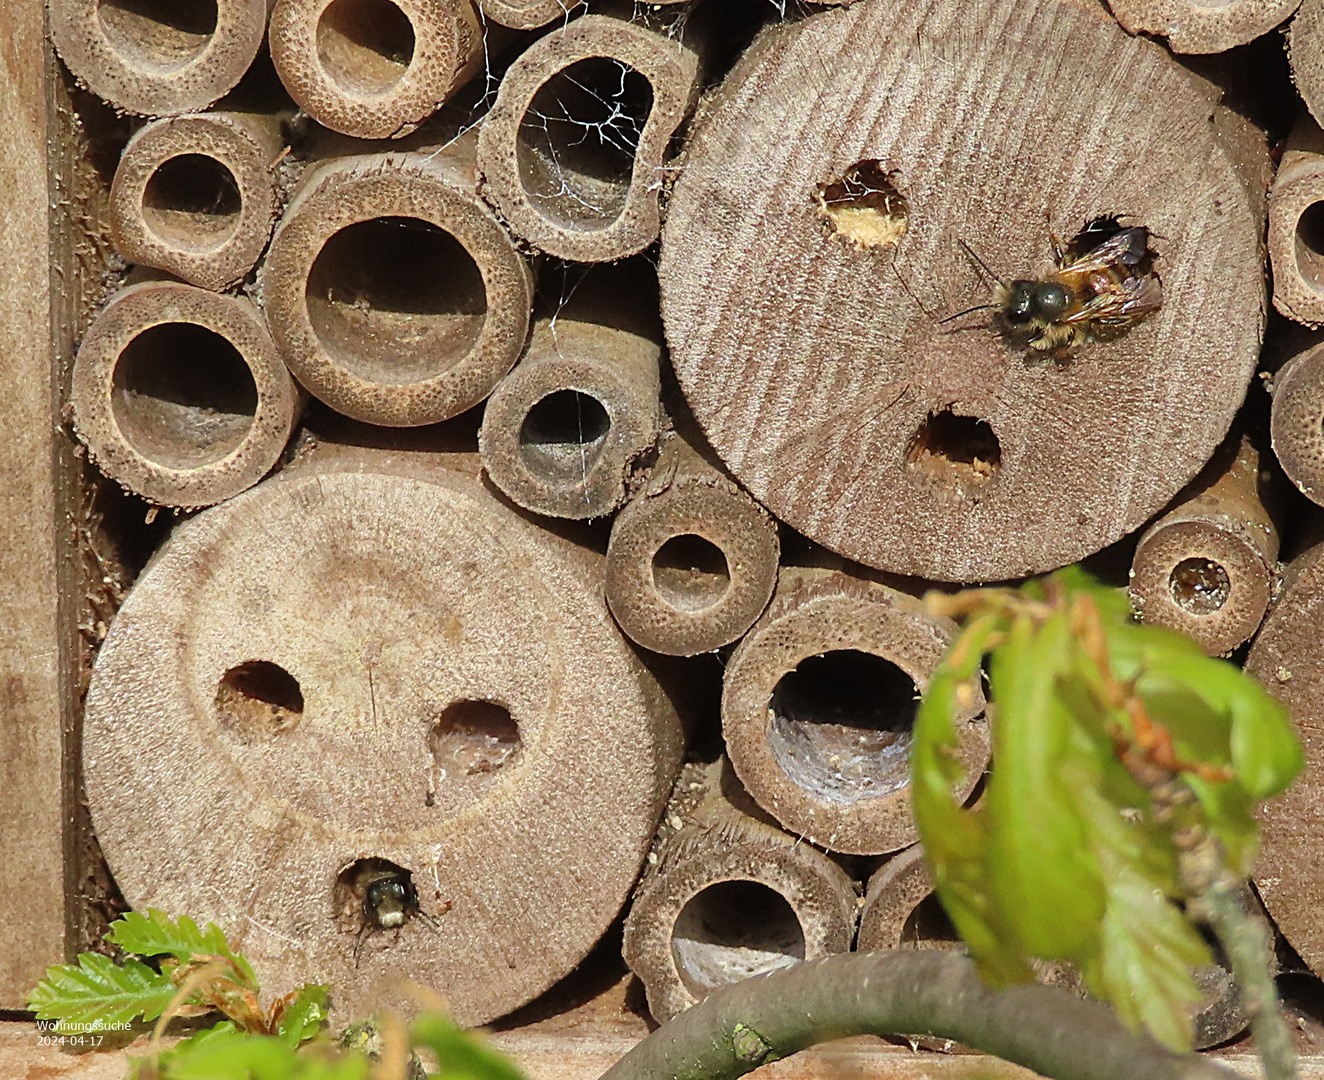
(97, 991)
(461, 1053)
(156, 934)
(304, 1017)
(224, 1053)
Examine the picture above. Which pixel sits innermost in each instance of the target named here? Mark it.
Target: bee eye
(1050, 302)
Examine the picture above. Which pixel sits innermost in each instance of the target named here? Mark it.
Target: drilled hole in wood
(841, 725)
(957, 453)
(562, 436)
(182, 395)
(690, 573)
(732, 930)
(163, 34)
(928, 925)
(1310, 245)
(864, 206)
(365, 46)
(577, 142)
(192, 201)
(258, 699)
(1199, 586)
(472, 737)
(396, 299)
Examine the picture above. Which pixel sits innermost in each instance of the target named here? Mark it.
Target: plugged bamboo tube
(1296, 226)
(803, 280)
(196, 196)
(1195, 27)
(158, 57)
(374, 69)
(573, 151)
(564, 433)
(180, 394)
(372, 657)
(1305, 51)
(692, 559)
(395, 295)
(1297, 421)
(727, 895)
(818, 702)
(1209, 567)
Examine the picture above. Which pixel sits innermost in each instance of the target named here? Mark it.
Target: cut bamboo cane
(692, 559)
(374, 69)
(564, 433)
(810, 251)
(196, 196)
(158, 57)
(727, 895)
(392, 290)
(1297, 421)
(818, 703)
(370, 664)
(1192, 26)
(1305, 50)
(574, 149)
(1209, 567)
(530, 14)
(1296, 226)
(180, 395)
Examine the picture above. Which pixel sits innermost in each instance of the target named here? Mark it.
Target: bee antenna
(911, 292)
(967, 311)
(979, 263)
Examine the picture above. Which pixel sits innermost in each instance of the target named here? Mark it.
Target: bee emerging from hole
(385, 896)
(1103, 283)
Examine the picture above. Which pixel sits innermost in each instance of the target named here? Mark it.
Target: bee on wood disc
(385, 896)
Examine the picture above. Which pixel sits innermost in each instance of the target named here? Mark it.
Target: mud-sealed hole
(840, 725)
(258, 699)
(472, 737)
(690, 573)
(928, 926)
(864, 206)
(732, 930)
(1310, 245)
(163, 34)
(1199, 586)
(577, 142)
(396, 299)
(563, 435)
(960, 454)
(182, 395)
(365, 46)
(192, 201)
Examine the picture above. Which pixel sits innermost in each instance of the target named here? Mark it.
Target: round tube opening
(732, 930)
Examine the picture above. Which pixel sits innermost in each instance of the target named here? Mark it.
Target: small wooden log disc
(1297, 421)
(573, 148)
(692, 559)
(1296, 226)
(158, 59)
(374, 69)
(1197, 26)
(375, 659)
(1305, 50)
(196, 196)
(727, 896)
(392, 290)
(180, 394)
(811, 248)
(1209, 567)
(818, 702)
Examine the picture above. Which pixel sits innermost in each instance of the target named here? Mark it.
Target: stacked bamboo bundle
(534, 267)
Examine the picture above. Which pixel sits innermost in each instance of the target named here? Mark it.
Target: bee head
(388, 901)
(1034, 302)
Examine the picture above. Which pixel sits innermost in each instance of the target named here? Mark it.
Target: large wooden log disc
(371, 661)
(811, 249)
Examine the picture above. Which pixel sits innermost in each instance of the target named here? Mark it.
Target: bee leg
(431, 919)
(358, 942)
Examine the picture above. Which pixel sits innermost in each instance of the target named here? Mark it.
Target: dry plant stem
(816, 363)
(911, 992)
(818, 702)
(372, 656)
(392, 290)
(1209, 566)
(1296, 226)
(196, 195)
(373, 69)
(1297, 421)
(160, 59)
(692, 559)
(180, 394)
(1305, 50)
(1194, 27)
(572, 179)
(727, 895)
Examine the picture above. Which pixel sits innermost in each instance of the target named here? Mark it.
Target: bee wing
(1127, 247)
(1134, 297)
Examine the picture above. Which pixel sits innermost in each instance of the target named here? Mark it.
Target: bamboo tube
(196, 196)
(1209, 567)
(1296, 226)
(564, 433)
(158, 57)
(180, 395)
(374, 69)
(727, 895)
(1297, 421)
(1194, 27)
(370, 660)
(573, 151)
(818, 702)
(692, 559)
(803, 279)
(530, 14)
(392, 290)
(1305, 50)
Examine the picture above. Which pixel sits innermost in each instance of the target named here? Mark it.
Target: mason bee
(386, 898)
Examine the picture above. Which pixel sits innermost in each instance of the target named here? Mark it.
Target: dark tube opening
(563, 435)
(732, 930)
(192, 201)
(1199, 586)
(162, 34)
(690, 573)
(929, 926)
(955, 453)
(1310, 244)
(365, 46)
(258, 699)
